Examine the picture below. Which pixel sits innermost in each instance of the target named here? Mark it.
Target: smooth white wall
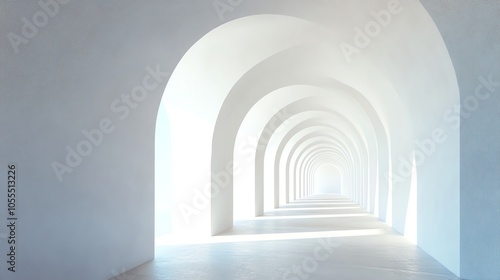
(99, 221)
(471, 31)
(90, 53)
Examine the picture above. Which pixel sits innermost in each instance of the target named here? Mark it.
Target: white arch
(201, 100)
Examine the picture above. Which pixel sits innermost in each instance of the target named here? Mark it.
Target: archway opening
(206, 106)
(327, 179)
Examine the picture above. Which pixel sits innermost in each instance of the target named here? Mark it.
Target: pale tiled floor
(321, 237)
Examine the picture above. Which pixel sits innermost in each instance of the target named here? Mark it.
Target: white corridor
(318, 237)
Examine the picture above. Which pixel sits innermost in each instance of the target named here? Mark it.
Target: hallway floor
(319, 237)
